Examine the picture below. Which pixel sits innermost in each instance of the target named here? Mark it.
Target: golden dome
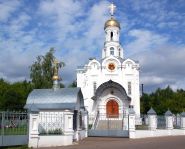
(55, 77)
(112, 23)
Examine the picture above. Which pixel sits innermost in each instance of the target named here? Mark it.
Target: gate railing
(96, 121)
(51, 123)
(108, 122)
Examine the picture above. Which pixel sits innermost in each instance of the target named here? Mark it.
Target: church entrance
(112, 109)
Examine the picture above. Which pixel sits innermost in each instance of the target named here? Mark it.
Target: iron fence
(144, 123)
(176, 121)
(13, 123)
(161, 122)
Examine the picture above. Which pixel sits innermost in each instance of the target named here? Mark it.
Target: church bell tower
(112, 34)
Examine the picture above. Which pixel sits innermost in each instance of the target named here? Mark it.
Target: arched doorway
(112, 109)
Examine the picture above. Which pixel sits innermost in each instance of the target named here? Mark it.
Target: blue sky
(152, 31)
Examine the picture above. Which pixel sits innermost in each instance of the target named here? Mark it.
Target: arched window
(111, 35)
(111, 51)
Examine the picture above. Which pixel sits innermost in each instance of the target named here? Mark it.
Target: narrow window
(94, 87)
(80, 120)
(105, 52)
(111, 35)
(129, 88)
(111, 51)
(119, 53)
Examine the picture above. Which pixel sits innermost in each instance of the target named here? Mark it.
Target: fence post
(152, 119)
(2, 123)
(68, 122)
(2, 126)
(182, 122)
(131, 123)
(125, 120)
(85, 114)
(169, 120)
(33, 127)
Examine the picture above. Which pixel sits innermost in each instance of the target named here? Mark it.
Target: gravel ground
(177, 142)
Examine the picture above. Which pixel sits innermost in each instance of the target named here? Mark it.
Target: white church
(107, 98)
(110, 85)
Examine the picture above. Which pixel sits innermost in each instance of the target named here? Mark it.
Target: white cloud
(161, 62)
(75, 39)
(75, 29)
(7, 8)
(144, 40)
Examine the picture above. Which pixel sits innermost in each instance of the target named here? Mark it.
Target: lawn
(17, 147)
(14, 131)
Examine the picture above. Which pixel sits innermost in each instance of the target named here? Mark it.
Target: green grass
(14, 131)
(141, 127)
(17, 147)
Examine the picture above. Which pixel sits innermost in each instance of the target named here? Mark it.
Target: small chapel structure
(57, 116)
(110, 86)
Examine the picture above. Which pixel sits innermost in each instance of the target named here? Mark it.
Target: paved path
(125, 143)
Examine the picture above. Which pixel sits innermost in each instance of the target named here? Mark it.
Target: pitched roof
(168, 113)
(151, 112)
(183, 114)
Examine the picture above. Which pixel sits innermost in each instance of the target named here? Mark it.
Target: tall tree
(162, 100)
(41, 71)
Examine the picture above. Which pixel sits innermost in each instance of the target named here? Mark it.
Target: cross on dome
(112, 9)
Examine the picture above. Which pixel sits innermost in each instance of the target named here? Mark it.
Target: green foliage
(41, 71)
(162, 100)
(17, 147)
(13, 96)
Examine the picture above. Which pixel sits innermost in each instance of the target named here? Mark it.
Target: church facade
(110, 85)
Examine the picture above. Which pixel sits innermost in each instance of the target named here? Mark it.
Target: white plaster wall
(106, 96)
(51, 141)
(158, 133)
(95, 72)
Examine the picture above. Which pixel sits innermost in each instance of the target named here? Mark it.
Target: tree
(162, 100)
(73, 84)
(41, 71)
(13, 95)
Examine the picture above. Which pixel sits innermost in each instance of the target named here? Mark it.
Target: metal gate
(108, 126)
(13, 128)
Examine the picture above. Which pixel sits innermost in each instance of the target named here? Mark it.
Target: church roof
(107, 85)
(63, 98)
